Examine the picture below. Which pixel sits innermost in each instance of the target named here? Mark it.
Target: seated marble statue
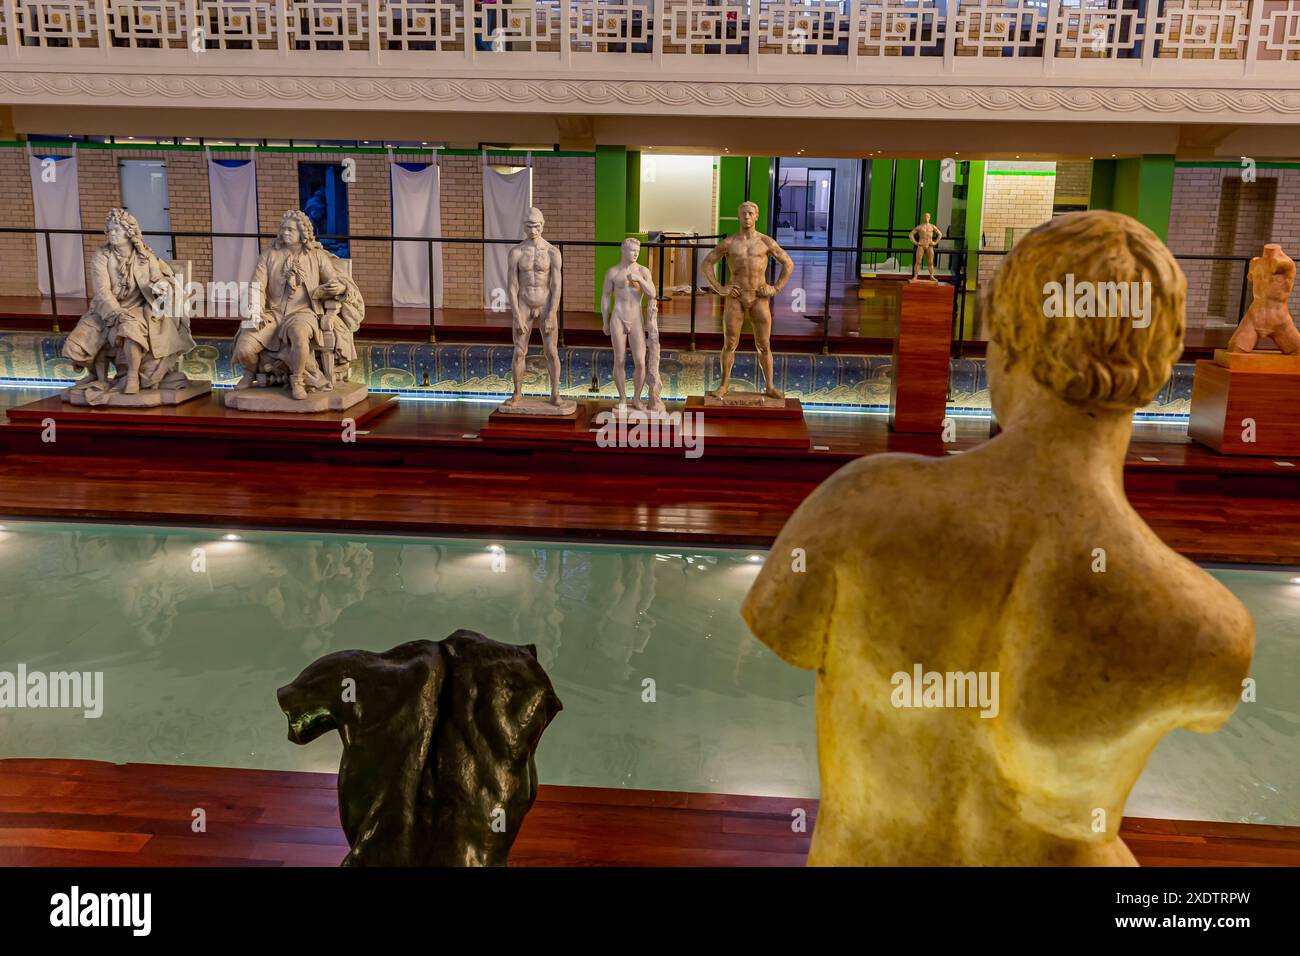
(143, 344)
(306, 309)
(1000, 640)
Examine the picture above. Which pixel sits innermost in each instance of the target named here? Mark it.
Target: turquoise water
(193, 645)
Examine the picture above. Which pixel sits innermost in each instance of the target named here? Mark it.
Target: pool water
(195, 629)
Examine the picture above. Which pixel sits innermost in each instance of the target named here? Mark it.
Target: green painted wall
(731, 191)
(974, 217)
(911, 173)
(1139, 186)
(611, 210)
(632, 221)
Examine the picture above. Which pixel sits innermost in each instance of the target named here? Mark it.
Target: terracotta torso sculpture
(1022, 559)
(1272, 276)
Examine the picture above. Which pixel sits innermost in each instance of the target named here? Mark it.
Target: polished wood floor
(423, 469)
(86, 813)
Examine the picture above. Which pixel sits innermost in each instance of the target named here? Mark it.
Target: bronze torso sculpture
(438, 745)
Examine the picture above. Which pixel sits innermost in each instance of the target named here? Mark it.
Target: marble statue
(297, 346)
(535, 281)
(1272, 276)
(925, 238)
(131, 326)
(747, 252)
(1000, 641)
(438, 745)
(626, 285)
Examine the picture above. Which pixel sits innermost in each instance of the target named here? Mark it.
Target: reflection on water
(194, 632)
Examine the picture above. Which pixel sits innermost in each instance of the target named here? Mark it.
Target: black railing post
(695, 281)
(663, 254)
(54, 292)
(433, 322)
(1241, 299)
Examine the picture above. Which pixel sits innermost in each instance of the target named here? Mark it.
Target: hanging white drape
(233, 192)
(505, 204)
(416, 212)
(56, 202)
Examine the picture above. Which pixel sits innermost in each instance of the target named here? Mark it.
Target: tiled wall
(852, 381)
(563, 188)
(1013, 202)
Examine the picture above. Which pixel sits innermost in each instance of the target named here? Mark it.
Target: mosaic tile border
(838, 382)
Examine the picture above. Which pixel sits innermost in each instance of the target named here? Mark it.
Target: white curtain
(56, 202)
(505, 204)
(233, 192)
(416, 212)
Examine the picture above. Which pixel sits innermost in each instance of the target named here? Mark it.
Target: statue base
(1277, 362)
(258, 399)
(534, 406)
(739, 399)
(1246, 404)
(145, 398)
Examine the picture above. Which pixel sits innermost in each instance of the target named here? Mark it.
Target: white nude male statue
(534, 283)
(925, 237)
(1018, 567)
(626, 284)
(747, 252)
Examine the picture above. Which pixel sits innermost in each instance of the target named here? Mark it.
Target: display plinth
(145, 398)
(1261, 361)
(771, 408)
(208, 414)
(513, 423)
(260, 399)
(534, 406)
(1247, 411)
(918, 387)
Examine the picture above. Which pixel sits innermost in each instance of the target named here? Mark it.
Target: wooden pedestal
(1223, 399)
(918, 389)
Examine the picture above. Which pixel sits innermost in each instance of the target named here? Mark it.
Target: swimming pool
(195, 629)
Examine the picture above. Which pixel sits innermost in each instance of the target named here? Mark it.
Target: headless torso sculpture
(632, 327)
(535, 279)
(1272, 276)
(1022, 559)
(747, 253)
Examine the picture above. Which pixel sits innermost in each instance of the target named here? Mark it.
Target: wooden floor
(423, 470)
(84, 813)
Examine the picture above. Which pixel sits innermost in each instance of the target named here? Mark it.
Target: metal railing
(949, 35)
(957, 258)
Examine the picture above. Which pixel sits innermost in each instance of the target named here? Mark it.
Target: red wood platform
(1245, 411)
(86, 813)
(918, 387)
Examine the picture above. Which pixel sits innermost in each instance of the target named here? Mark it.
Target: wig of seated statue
(297, 347)
(132, 327)
(1000, 640)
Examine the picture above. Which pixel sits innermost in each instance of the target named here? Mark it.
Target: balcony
(1181, 60)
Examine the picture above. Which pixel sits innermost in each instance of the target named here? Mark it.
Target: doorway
(144, 195)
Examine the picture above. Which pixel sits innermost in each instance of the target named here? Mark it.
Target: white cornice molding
(907, 98)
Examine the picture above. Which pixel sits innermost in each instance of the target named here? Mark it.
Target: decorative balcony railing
(1242, 36)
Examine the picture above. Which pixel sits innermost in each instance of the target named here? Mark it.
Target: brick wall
(563, 188)
(1015, 203)
(1215, 211)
